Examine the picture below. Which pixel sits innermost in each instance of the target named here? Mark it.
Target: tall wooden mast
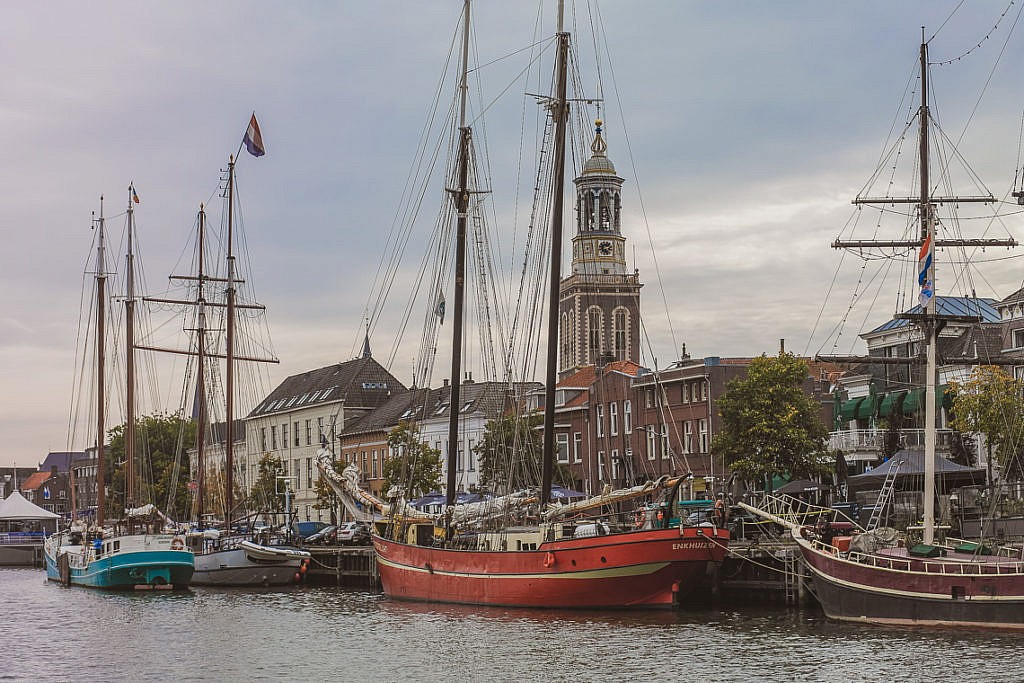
(229, 388)
(559, 110)
(101, 297)
(130, 439)
(460, 196)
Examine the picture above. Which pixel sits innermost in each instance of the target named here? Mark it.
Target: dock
(343, 566)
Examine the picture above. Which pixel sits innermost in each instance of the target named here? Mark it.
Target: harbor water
(310, 633)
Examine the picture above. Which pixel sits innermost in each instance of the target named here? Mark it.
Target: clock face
(604, 248)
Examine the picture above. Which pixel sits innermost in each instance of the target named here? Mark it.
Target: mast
(931, 324)
(200, 396)
(461, 199)
(559, 110)
(129, 370)
(101, 294)
(229, 385)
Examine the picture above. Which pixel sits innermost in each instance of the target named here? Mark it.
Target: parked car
(325, 536)
(304, 530)
(353, 533)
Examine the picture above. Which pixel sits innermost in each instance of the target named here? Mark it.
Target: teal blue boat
(133, 554)
(140, 561)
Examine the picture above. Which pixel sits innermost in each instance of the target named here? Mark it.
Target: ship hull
(249, 565)
(655, 568)
(147, 562)
(952, 591)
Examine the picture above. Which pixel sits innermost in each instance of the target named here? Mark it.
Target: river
(310, 633)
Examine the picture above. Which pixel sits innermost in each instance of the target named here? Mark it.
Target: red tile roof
(34, 481)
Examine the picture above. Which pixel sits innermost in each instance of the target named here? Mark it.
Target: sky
(743, 130)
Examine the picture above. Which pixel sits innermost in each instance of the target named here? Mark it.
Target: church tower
(599, 303)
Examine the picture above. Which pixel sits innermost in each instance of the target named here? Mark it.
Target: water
(309, 633)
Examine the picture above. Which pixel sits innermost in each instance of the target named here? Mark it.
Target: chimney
(782, 346)
(446, 382)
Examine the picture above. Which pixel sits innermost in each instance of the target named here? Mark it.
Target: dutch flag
(253, 140)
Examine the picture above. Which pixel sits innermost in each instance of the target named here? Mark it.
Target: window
(627, 417)
(703, 391)
(615, 464)
(309, 472)
(309, 432)
(263, 438)
(471, 456)
(320, 428)
(284, 435)
(273, 438)
(687, 437)
(295, 431)
(600, 419)
(1018, 338)
(649, 398)
(594, 324)
(562, 446)
(298, 474)
(664, 442)
(704, 436)
(577, 447)
(613, 418)
(600, 466)
(619, 334)
(652, 442)
(686, 392)
(373, 468)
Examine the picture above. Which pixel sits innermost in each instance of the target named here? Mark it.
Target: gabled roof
(948, 305)
(1014, 298)
(35, 481)
(585, 377)
(360, 383)
(491, 399)
(402, 406)
(60, 459)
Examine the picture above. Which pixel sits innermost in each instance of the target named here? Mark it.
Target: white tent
(15, 507)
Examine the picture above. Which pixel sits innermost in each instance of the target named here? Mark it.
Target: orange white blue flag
(253, 140)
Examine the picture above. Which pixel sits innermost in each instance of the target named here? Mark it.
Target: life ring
(549, 560)
(177, 544)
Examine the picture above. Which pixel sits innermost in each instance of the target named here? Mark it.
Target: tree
(509, 455)
(990, 403)
(158, 467)
(263, 497)
(416, 468)
(770, 425)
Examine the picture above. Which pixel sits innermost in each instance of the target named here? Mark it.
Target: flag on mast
(253, 140)
(135, 195)
(924, 263)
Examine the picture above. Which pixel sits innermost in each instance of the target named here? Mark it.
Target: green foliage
(157, 441)
(990, 402)
(263, 496)
(509, 455)
(770, 425)
(416, 469)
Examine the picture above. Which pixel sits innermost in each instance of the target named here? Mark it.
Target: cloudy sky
(744, 127)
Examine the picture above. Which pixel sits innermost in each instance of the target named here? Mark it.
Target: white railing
(873, 439)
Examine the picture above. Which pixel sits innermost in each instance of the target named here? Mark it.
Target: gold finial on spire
(598, 147)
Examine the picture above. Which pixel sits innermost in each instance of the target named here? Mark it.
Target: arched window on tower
(620, 324)
(595, 321)
(567, 338)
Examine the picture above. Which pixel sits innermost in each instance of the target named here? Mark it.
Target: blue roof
(950, 305)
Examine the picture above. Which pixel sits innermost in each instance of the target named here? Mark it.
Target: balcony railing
(851, 440)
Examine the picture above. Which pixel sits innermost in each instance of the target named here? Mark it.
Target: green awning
(890, 403)
(848, 411)
(914, 402)
(867, 407)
